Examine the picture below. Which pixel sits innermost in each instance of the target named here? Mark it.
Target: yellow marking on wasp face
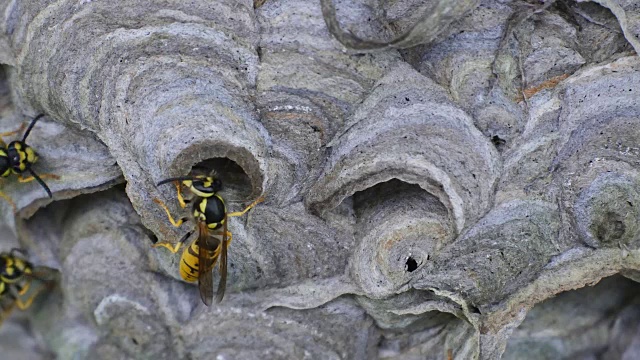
(3, 153)
(18, 146)
(203, 205)
(31, 155)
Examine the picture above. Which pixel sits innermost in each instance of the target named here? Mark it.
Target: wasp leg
(8, 199)
(24, 289)
(174, 248)
(24, 305)
(229, 236)
(240, 213)
(11, 133)
(42, 176)
(173, 222)
(181, 200)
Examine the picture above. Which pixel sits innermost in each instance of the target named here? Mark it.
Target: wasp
(16, 281)
(18, 157)
(210, 214)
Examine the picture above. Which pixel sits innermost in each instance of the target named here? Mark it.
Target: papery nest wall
(433, 173)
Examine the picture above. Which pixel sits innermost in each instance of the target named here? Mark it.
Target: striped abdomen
(189, 266)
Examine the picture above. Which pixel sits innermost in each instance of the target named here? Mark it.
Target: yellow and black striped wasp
(210, 213)
(17, 287)
(18, 157)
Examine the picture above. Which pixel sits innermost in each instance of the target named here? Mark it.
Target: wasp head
(204, 186)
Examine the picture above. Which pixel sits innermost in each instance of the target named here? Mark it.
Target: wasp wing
(206, 261)
(222, 284)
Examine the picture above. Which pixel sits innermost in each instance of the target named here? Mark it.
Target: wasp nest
(439, 177)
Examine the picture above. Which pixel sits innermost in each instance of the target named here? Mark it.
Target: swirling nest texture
(444, 179)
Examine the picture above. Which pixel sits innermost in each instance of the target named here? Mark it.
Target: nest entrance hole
(612, 228)
(392, 202)
(412, 264)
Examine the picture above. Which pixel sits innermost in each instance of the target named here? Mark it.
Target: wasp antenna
(179, 178)
(33, 122)
(40, 181)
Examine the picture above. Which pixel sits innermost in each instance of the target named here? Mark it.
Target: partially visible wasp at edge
(18, 157)
(210, 213)
(17, 277)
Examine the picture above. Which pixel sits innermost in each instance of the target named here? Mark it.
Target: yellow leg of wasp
(25, 305)
(183, 204)
(240, 213)
(166, 210)
(24, 289)
(173, 248)
(11, 133)
(10, 201)
(42, 176)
